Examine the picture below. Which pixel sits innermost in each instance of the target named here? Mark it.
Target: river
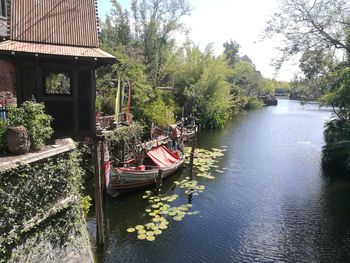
(272, 203)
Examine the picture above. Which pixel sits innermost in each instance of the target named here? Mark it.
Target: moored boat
(132, 176)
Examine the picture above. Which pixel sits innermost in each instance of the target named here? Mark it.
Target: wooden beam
(98, 197)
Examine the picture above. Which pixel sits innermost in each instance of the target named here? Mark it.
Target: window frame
(65, 72)
(3, 3)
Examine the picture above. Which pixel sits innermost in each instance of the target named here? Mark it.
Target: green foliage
(283, 88)
(124, 141)
(202, 80)
(247, 78)
(231, 50)
(30, 190)
(58, 83)
(339, 93)
(253, 103)
(106, 104)
(3, 127)
(32, 116)
(159, 113)
(212, 87)
(86, 204)
(336, 152)
(129, 69)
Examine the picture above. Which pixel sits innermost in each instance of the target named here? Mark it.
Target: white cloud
(243, 21)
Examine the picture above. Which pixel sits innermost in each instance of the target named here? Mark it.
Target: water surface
(271, 204)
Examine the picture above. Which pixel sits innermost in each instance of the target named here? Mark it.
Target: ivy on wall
(30, 191)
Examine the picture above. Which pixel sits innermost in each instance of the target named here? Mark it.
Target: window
(3, 8)
(58, 84)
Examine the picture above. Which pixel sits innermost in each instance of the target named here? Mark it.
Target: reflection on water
(270, 204)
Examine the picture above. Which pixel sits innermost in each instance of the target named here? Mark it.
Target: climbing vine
(28, 192)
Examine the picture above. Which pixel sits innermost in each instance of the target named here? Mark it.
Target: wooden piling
(194, 142)
(100, 237)
(102, 167)
(159, 181)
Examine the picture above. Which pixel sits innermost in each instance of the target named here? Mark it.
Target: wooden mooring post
(98, 181)
(194, 142)
(159, 181)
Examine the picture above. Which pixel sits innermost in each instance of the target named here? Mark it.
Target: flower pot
(18, 141)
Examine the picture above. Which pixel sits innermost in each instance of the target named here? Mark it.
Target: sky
(217, 21)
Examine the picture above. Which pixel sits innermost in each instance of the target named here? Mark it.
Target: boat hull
(124, 180)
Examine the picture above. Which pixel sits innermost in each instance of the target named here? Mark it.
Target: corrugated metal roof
(66, 22)
(54, 50)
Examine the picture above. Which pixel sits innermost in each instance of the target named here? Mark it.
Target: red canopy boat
(133, 176)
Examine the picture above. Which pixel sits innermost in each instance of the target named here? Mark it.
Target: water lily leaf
(163, 226)
(150, 238)
(130, 230)
(150, 225)
(150, 233)
(141, 237)
(158, 232)
(140, 232)
(139, 227)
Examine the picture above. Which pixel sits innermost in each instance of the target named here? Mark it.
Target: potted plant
(17, 138)
(33, 118)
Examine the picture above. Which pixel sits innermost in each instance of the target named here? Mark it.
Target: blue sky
(217, 21)
(103, 7)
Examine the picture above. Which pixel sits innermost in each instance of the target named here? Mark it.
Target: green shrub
(253, 103)
(33, 117)
(3, 127)
(107, 104)
(125, 139)
(86, 204)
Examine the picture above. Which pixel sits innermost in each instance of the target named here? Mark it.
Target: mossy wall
(41, 218)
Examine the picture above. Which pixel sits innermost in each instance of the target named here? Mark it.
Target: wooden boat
(133, 176)
(189, 133)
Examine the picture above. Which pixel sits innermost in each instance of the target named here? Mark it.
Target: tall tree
(231, 50)
(310, 25)
(160, 19)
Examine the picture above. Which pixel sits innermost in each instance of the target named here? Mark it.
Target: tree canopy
(213, 87)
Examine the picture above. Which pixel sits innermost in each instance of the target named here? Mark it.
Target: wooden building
(49, 51)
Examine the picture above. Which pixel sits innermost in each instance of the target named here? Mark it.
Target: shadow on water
(271, 202)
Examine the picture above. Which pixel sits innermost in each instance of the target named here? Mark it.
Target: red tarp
(161, 156)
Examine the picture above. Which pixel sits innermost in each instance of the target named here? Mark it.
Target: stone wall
(40, 206)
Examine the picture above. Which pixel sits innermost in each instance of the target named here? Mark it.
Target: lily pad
(131, 230)
(150, 238)
(158, 232)
(141, 237)
(139, 227)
